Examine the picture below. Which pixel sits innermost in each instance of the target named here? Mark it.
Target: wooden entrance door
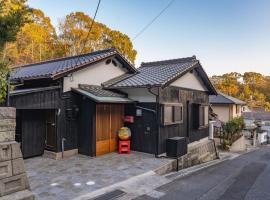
(109, 119)
(50, 139)
(32, 132)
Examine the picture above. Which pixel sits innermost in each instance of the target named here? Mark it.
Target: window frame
(173, 106)
(201, 117)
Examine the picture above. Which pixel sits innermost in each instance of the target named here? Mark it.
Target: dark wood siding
(32, 132)
(86, 129)
(48, 99)
(144, 128)
(185, 129)
(66, 107)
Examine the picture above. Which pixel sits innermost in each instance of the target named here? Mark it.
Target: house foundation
(13, 178)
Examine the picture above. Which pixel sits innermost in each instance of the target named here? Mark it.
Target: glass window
(203, 115)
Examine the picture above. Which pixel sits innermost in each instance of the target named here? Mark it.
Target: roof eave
(68, 71)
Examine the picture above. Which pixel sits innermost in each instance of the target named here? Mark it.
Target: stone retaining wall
(14, 183)
(199, 152)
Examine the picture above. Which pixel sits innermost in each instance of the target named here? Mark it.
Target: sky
(225, 35)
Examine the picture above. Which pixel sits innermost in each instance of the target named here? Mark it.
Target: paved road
(245, 177)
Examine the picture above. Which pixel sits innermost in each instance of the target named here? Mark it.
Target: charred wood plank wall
(144, 128)
(185, 129)
(87, 126)
(65, 104)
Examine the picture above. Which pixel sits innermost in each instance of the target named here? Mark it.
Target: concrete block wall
(14, 183)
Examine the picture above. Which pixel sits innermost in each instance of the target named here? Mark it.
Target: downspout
(157, 116)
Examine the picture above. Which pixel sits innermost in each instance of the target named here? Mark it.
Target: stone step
(13, 184)
(22, 195)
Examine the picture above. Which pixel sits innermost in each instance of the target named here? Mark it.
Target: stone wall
(14, 183)
(199, 152)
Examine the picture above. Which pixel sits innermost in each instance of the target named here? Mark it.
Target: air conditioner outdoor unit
(176, 147)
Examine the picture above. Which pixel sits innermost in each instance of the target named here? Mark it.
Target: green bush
(234, 126)
(232, 129)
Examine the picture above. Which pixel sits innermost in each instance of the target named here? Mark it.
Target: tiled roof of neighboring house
(224, 99)
(98, 94)
(162, 73)
(57, 67)
(265, 116)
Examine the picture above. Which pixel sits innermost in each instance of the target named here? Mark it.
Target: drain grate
(110, 195)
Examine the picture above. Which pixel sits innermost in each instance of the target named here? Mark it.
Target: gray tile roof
(224, 99)
(51, 68)
(264, 116)
(99, 91)
(116, 80)
(157, 73)
(98, 94)
(161, 73)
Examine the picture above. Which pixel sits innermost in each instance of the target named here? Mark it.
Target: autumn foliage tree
(251, 87)
(38, 40)
(35, 42)
(76, 38)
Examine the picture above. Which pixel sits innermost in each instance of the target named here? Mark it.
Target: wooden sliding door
(109, 119)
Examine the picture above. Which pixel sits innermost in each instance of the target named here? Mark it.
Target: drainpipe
(157, 116)
(63, 147)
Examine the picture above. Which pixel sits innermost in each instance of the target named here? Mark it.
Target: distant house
(226, 107)
(258, 117)
(77, 104)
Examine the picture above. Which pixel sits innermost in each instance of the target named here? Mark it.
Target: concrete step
(22, 195)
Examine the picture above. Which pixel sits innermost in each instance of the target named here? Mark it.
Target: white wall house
(226, 107)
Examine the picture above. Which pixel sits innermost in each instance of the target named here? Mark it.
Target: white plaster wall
(223, 112)
(139, 94)
(93, 75)
(190, 81)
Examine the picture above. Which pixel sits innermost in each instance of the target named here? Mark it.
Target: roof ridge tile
(169, 61)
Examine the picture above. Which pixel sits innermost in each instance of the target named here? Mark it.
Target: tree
(13, 14)
(76, 39)
(36, 41)
(228, 83)
(253, 89)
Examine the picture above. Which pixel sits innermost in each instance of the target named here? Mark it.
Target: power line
(153, 20)
(91, 26)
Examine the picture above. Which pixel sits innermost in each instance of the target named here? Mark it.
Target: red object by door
(129, 119)
(124, 146)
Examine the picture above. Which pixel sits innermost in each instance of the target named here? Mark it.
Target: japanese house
(77, 104)
(226, 107)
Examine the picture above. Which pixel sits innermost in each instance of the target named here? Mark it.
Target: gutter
(157, 116)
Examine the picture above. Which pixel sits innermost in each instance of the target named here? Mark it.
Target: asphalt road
(245, 177)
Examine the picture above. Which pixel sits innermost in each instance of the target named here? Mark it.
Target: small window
(201, 118)
(172, 114)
